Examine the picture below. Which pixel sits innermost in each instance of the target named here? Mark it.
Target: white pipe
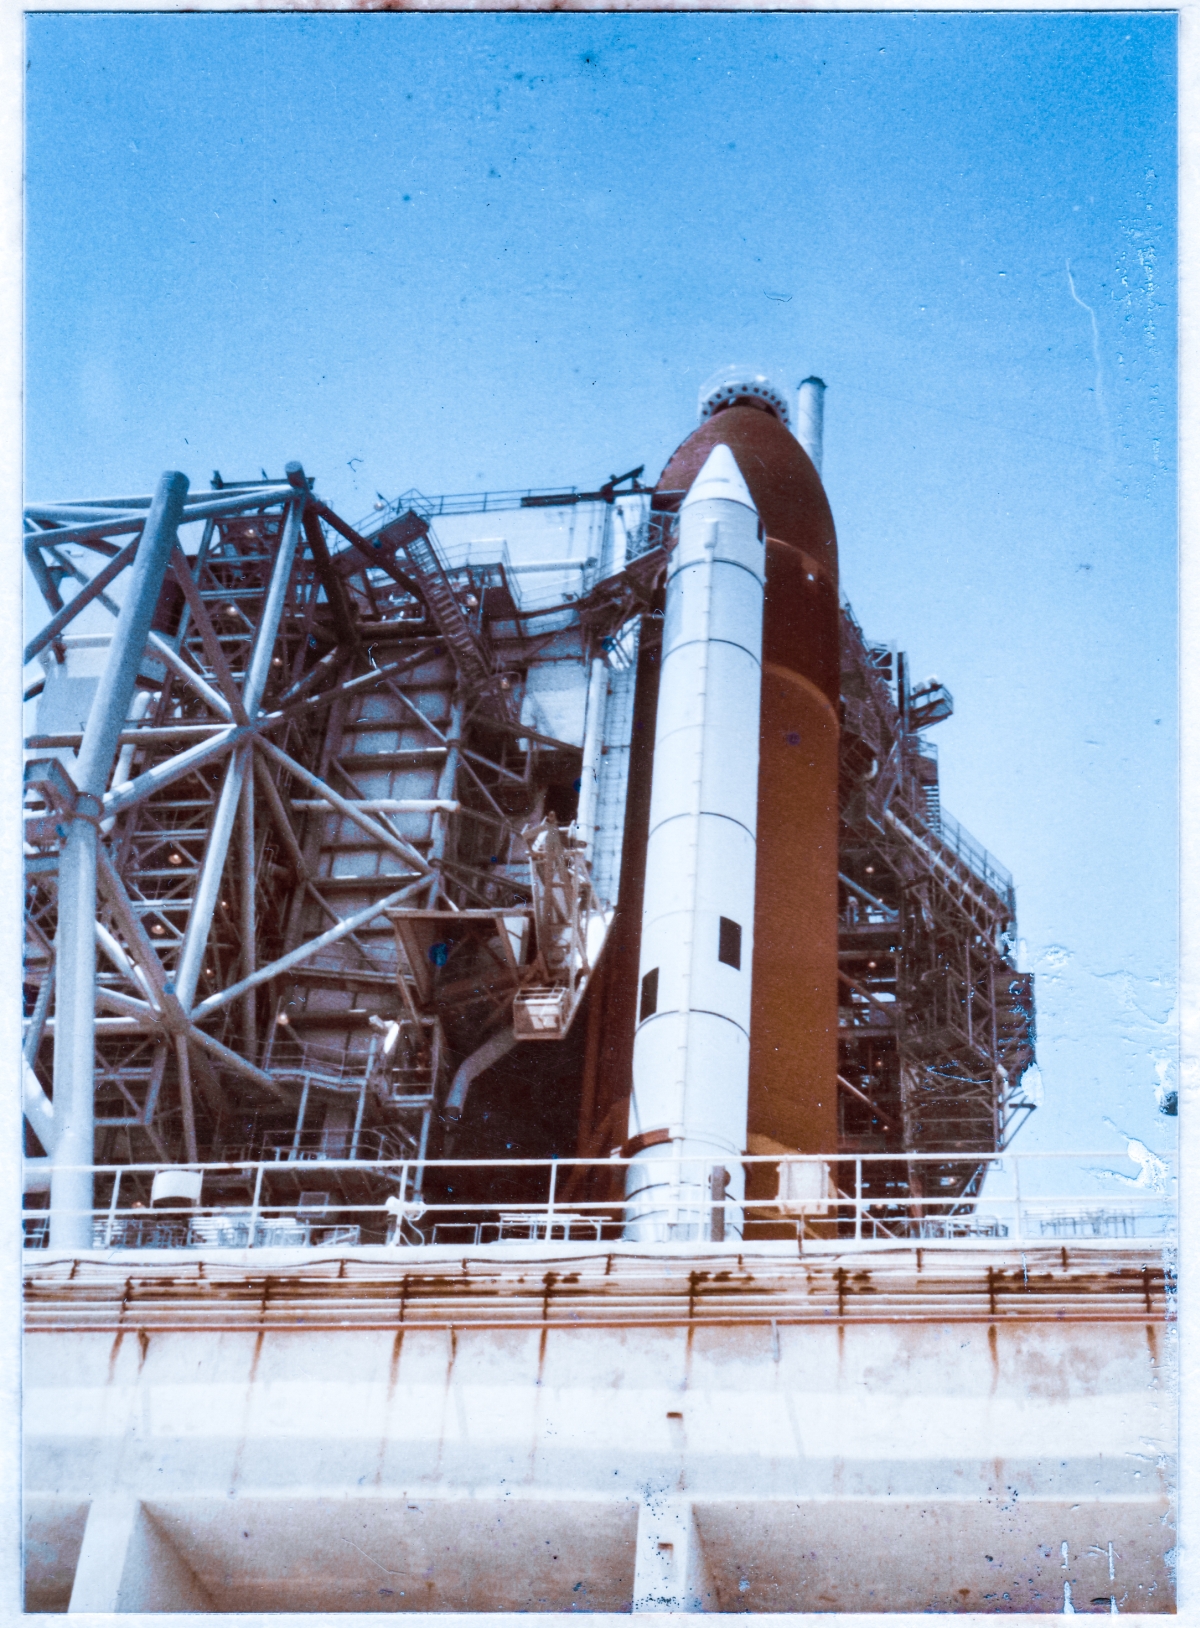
(39, 1110)
(691, 1055)
(481, 1059)
(810, 419)
(589, 774)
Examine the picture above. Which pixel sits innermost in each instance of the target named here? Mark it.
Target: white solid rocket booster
(691, 1053)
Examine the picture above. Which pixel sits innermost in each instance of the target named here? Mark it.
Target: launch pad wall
(553, 1428)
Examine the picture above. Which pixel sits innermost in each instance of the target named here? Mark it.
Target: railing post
(1017, 1230)
(254, 1205)
(419, 1178)
(112, 1208)
(858, 1199)
(718, 1182)
(362, 1099)
(399, 1234)
(300, 1116)
(550, 1200)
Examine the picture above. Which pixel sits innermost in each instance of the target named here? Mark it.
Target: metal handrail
(408, 1215)
(461, 503)
(975, 856)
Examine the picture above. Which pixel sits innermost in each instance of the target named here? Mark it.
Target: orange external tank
(793, 1018)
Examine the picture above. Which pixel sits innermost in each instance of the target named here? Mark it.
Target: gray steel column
(75, 1027)
(249, 919)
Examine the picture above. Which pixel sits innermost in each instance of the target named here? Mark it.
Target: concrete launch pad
(962, 1427)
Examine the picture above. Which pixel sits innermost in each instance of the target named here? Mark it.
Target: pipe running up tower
(691, 1055)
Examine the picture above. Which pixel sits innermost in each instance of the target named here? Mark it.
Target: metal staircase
(468, 645)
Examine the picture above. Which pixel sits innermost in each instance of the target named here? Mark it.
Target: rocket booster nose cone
(720, 477)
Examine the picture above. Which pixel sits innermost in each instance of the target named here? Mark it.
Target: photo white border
(12, 62)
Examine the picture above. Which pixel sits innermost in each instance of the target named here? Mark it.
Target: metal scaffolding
(307, 849)
(299, 866)
(936, 1024)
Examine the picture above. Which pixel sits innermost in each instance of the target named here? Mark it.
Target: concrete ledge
(581, 1286)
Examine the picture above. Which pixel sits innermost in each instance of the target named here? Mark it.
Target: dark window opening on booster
(729, 944)
(649, 1003)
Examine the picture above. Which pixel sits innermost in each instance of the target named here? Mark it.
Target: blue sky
(460, 252)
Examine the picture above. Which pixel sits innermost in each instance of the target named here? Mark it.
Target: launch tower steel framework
(936, 1024)
(296, 852)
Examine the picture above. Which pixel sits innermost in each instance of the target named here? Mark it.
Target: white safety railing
(975, 856)
(460, 503)
(868, 1199)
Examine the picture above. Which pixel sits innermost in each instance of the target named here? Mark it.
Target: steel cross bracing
(936, 1024)
(310, 840)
